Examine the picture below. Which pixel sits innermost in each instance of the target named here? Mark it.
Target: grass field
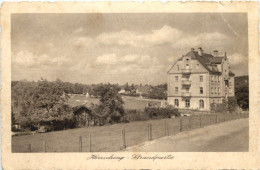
(109, 138)
(129, 102)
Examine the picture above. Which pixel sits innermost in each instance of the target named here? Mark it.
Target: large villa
(198, 79)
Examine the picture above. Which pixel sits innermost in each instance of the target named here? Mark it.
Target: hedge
(161, 112)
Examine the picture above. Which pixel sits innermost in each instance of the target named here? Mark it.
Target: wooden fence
(154, 130)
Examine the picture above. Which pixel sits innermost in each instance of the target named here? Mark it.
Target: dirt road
(225, 137)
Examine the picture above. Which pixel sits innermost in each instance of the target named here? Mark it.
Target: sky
(119, 48)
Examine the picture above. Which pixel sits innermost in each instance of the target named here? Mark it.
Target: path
(224, 137)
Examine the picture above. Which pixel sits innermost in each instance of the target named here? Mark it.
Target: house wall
(197, 70)
(194, 102)
(232, 87)
(214, 88)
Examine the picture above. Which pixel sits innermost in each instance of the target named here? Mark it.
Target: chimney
(200, 51)
(215, 53)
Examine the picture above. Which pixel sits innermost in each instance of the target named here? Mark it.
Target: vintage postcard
(130, 85)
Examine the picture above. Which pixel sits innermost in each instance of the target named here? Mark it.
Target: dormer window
(187, 59)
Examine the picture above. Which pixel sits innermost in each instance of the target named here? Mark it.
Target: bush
(133, 115)
(226, 105)
(156, 112)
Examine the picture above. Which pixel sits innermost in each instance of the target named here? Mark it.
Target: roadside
(230, 136)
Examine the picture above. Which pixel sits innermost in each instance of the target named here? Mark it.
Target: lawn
(129, 102)
(108, 138)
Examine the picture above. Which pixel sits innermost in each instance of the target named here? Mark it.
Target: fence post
(216, 118)
(210, 119)
(151, 136)
(189, 122)
(180, 124)
(200, 120)
(148, 131)
(123, 138)
(30, 148)
(90, 142)
(44, 146)
(165, 128)
(80, 144)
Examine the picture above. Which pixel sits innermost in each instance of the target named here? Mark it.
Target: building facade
(198, 79)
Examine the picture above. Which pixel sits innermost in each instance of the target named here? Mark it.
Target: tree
(40, 102)
(111, 103)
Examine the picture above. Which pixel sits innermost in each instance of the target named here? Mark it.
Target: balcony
(186, 94)
(185, 71)
(186, 82)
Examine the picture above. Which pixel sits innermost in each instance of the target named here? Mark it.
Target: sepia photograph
(130, 85)
(114, 82)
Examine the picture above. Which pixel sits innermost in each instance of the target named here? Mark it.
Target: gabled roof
(206, 60)
(216, 60)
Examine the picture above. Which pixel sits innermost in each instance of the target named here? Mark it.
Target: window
(218, 90)
(176, 78)
(213, 101)
(215, 90)
(215, 78)
(201, 78)
(178, 67)
(187, 102)
(201, 104)
(212, 78)
(176, 102)
(218, 78)
(201, 90)
(212, 90)
(226, 83)
(187, 66)
(176, 89)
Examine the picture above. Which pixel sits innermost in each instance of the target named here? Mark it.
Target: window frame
(201, 104)
(201, 90)
(176, 102)
(176, 90)
(201, 78)
(187, 103)
(176, 78)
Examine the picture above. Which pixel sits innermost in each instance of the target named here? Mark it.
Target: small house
(85, 116)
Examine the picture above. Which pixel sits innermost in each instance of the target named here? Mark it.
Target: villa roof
(207, 60)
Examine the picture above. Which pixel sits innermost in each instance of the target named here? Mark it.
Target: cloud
(166, 35)
(237, 59)
(27, 59)
(200, 39)
(112, 59)
(80, 42)
(160, 36)
(107, 59)
(130, 58)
